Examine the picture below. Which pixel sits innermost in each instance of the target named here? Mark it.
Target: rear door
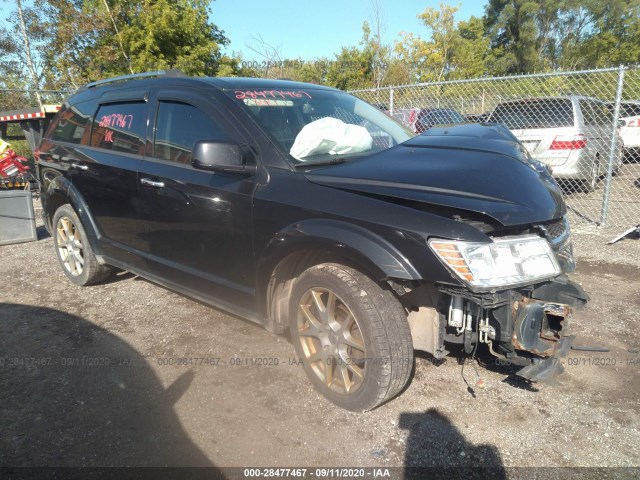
(98, 146)
(198, 224)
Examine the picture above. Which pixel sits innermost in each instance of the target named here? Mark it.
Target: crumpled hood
(476, 173)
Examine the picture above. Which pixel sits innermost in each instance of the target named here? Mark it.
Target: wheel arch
(308, 243)
(60, 192)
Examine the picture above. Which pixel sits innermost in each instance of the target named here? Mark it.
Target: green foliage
(14, 71)
(352, 69)
(76, 41)
(102, 38)
(173, 34)
(472, 56)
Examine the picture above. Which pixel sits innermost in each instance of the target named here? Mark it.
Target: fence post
(613, 150)
(391, 102)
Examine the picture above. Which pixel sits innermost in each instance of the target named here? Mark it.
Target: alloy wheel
(331, 340)
(70, 246)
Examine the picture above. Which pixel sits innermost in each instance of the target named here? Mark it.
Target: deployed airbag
(332, 136)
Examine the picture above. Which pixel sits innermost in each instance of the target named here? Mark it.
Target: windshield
(312, 125)
(542, 113)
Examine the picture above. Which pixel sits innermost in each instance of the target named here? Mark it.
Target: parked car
(572, 134)
(477, 117)
(307, 210)
(407, 117)
(629, 127)
(431, 117)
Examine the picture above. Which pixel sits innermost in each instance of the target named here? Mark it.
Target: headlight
(509, 261)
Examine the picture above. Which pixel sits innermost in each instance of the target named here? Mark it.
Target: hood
(477, 168)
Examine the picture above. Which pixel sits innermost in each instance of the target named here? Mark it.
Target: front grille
(556, 230)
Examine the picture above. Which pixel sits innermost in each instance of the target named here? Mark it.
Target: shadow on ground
(436, 449)
(75, 395)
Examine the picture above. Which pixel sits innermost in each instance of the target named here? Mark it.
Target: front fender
(307, 234)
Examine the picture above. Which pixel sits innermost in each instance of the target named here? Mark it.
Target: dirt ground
(130, 374)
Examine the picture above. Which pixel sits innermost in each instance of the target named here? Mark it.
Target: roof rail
(157, 73)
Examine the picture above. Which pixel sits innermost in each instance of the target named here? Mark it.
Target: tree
(352, 69)
(511, 25)
(104, 38)
(432, 59)
(471, 57)
(605, 33)
(372, 41)
(166, 34)
(22, 42)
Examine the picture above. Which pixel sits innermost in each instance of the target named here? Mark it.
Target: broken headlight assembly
(505, 262)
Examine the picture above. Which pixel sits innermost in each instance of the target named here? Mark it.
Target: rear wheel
(591, 183)
(74, 251)
(352, 336)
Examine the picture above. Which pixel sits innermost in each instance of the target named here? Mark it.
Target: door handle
(80, 166)
(151, 183)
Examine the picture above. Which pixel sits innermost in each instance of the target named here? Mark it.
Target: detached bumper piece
(540, 329)
(544, 370)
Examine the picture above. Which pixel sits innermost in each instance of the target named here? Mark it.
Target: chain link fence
(584, 125)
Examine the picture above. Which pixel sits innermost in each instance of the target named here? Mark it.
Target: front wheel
(351, 335)
(74, 251)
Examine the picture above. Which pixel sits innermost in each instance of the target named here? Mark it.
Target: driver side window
(178, 127)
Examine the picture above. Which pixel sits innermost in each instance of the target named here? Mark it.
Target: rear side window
(120, 127)
(72, 123)
(595, 114)
(178, 127)
(542, 113)
(629, 109)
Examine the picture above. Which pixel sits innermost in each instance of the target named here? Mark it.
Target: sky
(319, 28)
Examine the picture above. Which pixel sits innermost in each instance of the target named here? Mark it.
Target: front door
(198, 224)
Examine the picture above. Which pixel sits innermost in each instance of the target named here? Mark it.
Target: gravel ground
(129, 374)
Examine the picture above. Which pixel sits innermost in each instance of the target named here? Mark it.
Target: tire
(591, 183)
(358, 354)
(74, 251)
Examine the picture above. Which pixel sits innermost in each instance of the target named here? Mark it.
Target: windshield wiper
(320, 163)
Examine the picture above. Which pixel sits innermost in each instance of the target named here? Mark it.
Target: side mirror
(622, 123)
(220, 156)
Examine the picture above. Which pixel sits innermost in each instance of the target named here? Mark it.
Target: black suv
(307, 210)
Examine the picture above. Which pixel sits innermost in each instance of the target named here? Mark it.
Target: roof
(231, 83)
(220, 83)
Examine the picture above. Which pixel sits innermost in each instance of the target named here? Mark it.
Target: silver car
(572, 134)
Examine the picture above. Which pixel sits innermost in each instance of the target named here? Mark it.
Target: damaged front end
(516, 299)
(528, 327)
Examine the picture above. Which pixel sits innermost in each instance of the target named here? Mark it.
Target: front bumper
(528, 327)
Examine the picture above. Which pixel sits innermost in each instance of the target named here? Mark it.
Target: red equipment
(12, 164)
